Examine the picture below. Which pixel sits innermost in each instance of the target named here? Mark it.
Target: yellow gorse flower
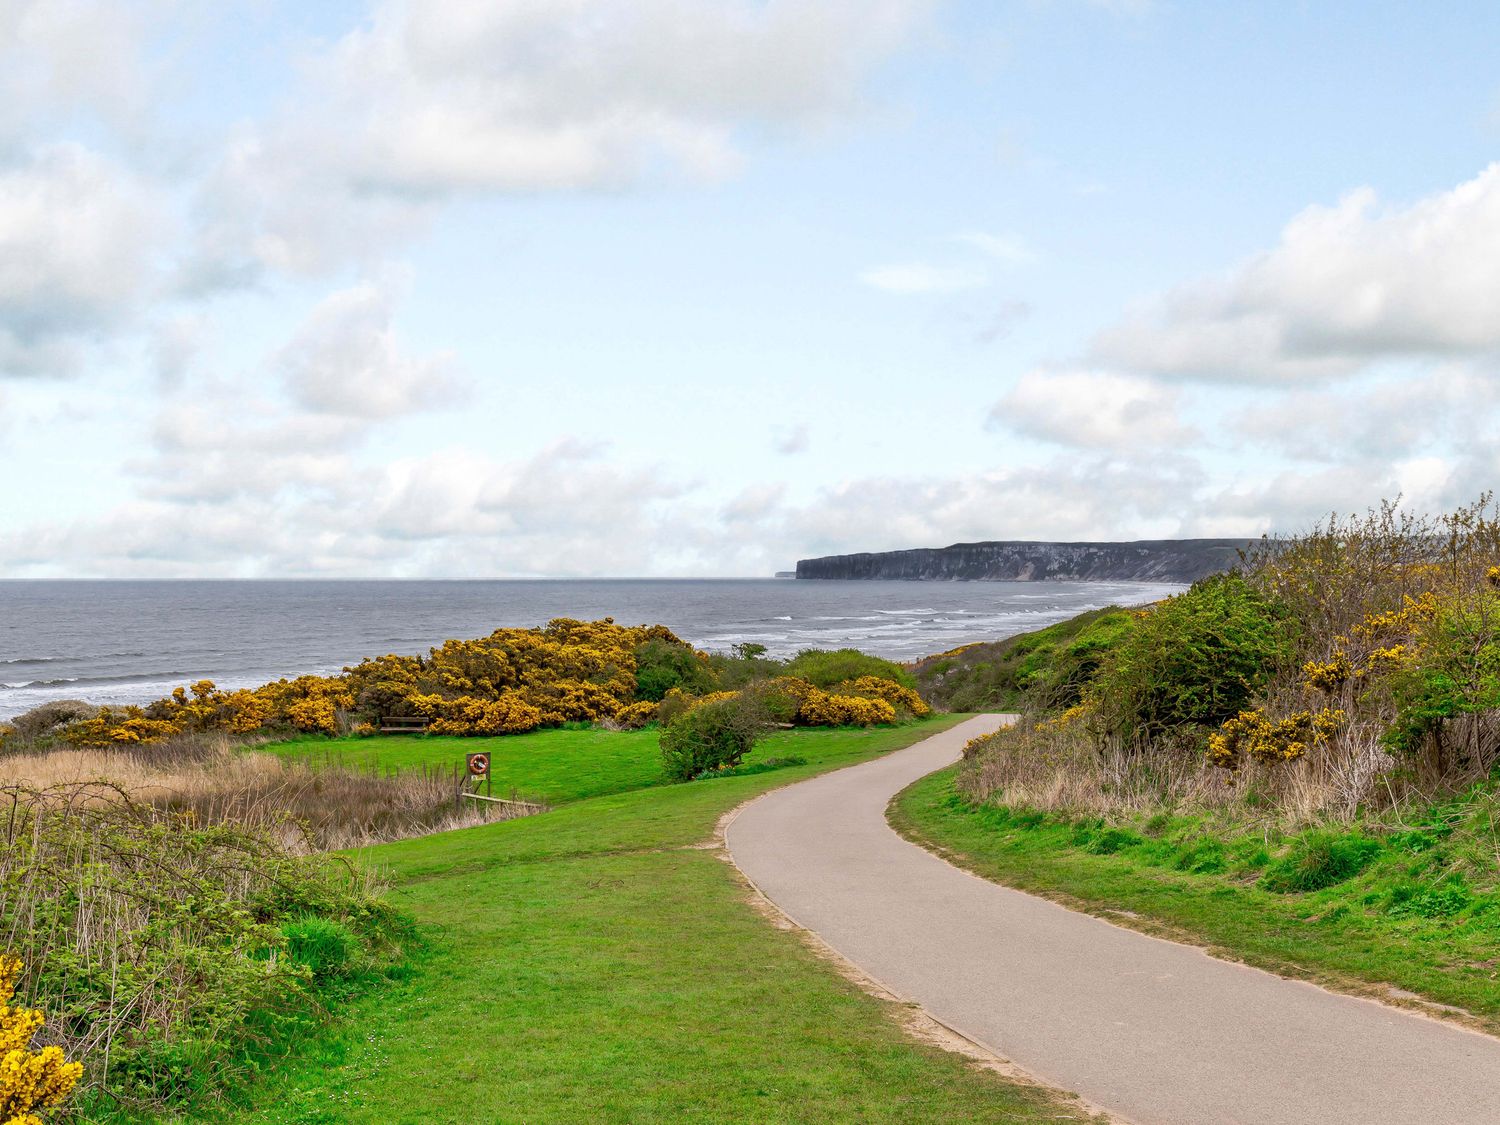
(31, 1080)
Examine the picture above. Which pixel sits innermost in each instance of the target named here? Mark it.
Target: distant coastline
(1147, 560)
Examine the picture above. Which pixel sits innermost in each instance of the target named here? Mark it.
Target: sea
(132, 642)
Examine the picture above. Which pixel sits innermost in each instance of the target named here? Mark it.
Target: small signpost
(479, 770)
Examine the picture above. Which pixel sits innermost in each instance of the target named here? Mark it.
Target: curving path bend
(1149, 1030)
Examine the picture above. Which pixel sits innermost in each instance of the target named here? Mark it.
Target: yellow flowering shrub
(31, 1081)
(1389, 659)
(636, 715)
(825, 709)
(1329, 675)
(900, 697)
(1066, 719)
(1413, 613)
(510, 714)
(111, 727)
(1256, 735)
(511, 681)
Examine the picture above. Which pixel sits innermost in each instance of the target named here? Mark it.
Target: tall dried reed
(310, 806)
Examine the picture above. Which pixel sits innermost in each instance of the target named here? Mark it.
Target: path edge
(1381, 995)
(915, 1021)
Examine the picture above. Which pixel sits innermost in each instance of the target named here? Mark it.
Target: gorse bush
(32, 1081)
(1451, 667)
(511, 682)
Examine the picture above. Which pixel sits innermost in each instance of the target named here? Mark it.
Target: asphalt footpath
(1147, 1029)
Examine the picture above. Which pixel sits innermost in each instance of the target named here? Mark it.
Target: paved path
(1150, 1030)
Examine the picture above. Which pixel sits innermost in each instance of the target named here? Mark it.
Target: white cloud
(793, 439)
(345, 360)
(176, 346)
(287, 498)
(76, 257)
(527, 95)
(920, 277)
(424, 103)
(1453, 406)
(1065, 498)
(1093, 410)
(1344, 286)
(61, 55)
(1002, 247)
(753, 503)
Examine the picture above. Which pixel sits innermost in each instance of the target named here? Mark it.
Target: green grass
(555, 766)
(1353, 909)
(596, 963)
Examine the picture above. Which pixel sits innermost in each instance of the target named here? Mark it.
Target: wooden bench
(402, 724)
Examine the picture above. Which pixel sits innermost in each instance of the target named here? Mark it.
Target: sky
(510, 288)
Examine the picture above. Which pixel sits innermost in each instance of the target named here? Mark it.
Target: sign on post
(479, 770)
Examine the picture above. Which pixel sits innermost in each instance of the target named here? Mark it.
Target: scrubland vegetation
(1296, 761)
(165, 875)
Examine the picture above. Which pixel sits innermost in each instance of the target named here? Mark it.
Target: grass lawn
(1405, 919)
(555, 766)
(597, 964)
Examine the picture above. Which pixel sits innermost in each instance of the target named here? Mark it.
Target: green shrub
(328, 948)
(824, 668)
(1457, 672)
(744, 664)
(711, 736)
(1318, 860)
(662, 665)
(1194, 660)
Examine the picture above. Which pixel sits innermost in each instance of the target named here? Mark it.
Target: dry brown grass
(1054, 770)
(211, 779)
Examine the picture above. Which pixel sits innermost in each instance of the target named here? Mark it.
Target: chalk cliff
(1146, 560)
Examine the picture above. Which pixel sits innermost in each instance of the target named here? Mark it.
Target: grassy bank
(1411, 909)
(598, 964)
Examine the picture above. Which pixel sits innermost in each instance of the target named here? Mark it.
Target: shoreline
(158, 636)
